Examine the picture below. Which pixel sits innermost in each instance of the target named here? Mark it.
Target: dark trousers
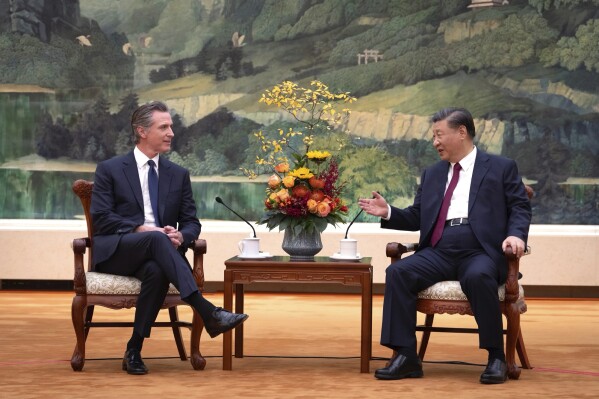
(152, 258)
(457, 256)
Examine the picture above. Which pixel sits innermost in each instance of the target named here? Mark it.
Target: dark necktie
(438, 230)
(153, 189)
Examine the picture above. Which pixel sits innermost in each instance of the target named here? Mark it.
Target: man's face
(448, 141)
(157, 138)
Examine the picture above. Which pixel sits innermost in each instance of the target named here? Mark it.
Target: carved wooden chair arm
(80, 246)
(512, 289)
(199, 249)
(395, 250)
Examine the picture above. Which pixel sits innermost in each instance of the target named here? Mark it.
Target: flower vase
(302, 246)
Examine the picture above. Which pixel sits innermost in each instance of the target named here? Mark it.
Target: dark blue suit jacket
(117, 206)
(498, 206)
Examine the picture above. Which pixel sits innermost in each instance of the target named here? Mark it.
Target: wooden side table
(322, 270)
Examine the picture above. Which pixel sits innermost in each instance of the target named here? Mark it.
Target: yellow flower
(301, 173)
(318, 155)
(289, 181)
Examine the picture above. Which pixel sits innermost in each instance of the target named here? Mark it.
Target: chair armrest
(395, 250)
(512, 289)
(199, 249)
(79, 246)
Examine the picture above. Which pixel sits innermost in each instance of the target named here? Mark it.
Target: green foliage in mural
(544, 5)
(580, 51)
(64, 63)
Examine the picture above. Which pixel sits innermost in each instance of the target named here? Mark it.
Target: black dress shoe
(401, 367)
(133, 364)
(223, 321)
(495, 373)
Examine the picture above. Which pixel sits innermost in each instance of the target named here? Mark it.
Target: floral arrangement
(304, 194)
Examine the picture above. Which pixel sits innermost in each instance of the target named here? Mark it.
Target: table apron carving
(341, 278)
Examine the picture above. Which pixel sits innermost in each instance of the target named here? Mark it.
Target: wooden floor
(297, 346)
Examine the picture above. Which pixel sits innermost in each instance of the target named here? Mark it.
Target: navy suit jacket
(498, 206)
(117, 206)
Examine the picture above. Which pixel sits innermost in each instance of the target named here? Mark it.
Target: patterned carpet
(296, 346)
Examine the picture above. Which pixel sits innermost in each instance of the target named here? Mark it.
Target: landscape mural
(72, 71)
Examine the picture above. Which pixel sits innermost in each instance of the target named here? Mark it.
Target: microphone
(352, 222)
(220, 201)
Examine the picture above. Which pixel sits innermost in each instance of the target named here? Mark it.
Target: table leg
(366, 347)
(239, 329)
(227, 336)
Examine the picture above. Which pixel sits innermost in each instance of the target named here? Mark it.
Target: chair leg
(174, 315)
(513, 331)
(428, 322)
(521, 349)
(77, 309)
(197, 360)
(89, 314)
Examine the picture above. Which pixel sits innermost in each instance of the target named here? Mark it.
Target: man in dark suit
(144, 219)
(469, 208)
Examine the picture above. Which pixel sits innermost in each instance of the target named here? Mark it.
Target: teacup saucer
(338, 256)
(261, 255)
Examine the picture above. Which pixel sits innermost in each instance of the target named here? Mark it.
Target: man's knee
(159, 241)
(151, 272)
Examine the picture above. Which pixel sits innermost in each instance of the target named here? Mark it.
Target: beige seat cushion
(111, 284)
(452, 291)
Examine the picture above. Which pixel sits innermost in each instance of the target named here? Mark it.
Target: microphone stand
(352, 222)
(220, 201)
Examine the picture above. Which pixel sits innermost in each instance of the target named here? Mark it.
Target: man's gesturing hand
(376, 206)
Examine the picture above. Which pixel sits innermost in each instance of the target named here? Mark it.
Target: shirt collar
(468, 161)
(142, 159)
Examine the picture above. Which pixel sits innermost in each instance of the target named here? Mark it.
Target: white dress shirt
(142, 169)
(458, 207)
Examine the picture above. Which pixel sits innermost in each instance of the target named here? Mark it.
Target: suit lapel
(132, 175)
(481, 166)
(433, 196)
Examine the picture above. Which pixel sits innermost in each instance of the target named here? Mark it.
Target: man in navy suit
(486, 211)
(144, 219)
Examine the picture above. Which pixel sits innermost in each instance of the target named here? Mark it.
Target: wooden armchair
(118, 292)
(448, 297)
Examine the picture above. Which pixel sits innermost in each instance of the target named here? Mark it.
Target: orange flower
(300, 191)
(282, 167)
(283, 195)
(312, 205)
(316, 182)
(317, 195)
(323, 209)
(289, 181)
(274, 181)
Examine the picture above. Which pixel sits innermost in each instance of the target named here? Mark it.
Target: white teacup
(348, 248)
(249, 246)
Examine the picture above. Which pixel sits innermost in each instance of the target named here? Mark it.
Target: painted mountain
(528, 70)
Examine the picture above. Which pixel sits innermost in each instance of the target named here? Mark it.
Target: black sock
(496, 353)
(136, 342)
(201, 305)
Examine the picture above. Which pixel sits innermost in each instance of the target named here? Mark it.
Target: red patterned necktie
(438, 230)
